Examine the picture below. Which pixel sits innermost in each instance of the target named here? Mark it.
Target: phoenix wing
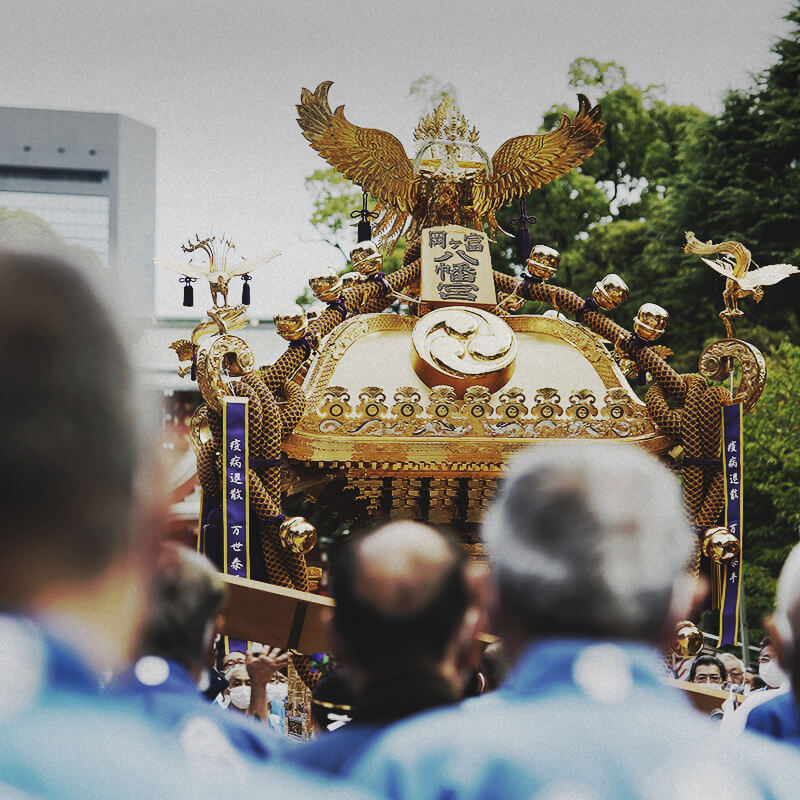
(766, 276)
(189, 268)
(525, 163)
(719, 266)
(251, 264)
(372, 158)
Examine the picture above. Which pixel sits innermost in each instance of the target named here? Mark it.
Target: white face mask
(240, 697)
(277, 691)
(772, 674)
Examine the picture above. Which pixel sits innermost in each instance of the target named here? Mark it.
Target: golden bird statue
(217, 269)
(742, 281)
(451, 180)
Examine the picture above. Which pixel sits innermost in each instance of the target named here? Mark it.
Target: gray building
(91, 177)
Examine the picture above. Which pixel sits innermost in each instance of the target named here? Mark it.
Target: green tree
(772, 483)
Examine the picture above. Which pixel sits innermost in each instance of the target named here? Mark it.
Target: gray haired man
(589, 548)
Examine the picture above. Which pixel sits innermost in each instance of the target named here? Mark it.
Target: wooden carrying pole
(263, 612)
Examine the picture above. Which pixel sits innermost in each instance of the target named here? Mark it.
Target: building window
(81, 219)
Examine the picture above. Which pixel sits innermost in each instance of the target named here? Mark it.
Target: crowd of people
(117, 687)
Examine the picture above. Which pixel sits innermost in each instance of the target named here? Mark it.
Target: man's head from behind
(69, 452)
(401, 595)
(187, 594)
(589, 540)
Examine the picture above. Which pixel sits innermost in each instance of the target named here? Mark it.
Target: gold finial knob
(688, 639)
(650, 322)
(326, 285)
(543, 261)
(291, 322)
(720, 545)
(366, 258)
(610, 292)
(297, 535)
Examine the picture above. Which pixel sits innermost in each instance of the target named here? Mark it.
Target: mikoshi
(410, 390)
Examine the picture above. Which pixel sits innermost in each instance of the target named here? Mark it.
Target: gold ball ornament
(326, 285)
(650, 322)
(720, 545)
(543, 261)
(610, 292)
(291, 323)
(366, 258)
(688, 639)
(297, 535)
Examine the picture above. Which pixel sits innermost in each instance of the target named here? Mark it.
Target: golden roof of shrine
(367, 404)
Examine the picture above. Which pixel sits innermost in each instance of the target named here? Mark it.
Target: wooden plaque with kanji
(456, 268)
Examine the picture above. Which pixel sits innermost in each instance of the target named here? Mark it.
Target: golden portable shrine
(410, 390)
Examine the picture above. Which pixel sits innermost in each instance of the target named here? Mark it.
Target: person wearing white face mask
(252, 681)
(239, 688)
(769, 670)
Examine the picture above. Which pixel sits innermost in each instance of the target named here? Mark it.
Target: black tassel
(523, 239)
(246, 290)
(523, 236)
(363, 227)
(364, 231)
(188, 291)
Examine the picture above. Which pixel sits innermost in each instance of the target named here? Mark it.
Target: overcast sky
(219, 82)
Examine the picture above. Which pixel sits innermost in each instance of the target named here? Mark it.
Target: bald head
(401, 566)
(400, 594)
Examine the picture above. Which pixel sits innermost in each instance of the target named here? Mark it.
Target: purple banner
(236, 645)
(732, 462)
(235, 496)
